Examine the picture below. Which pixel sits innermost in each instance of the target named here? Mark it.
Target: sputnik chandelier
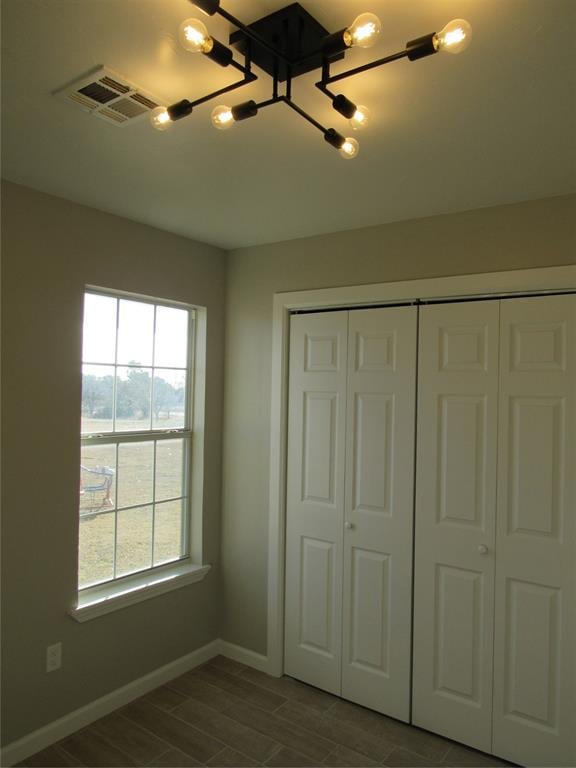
(287, 44)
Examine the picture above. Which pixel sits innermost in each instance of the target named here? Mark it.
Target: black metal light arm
(304, 114)
(268, 102)
(249, 77)
(208, 6)
(185, 107)
(356, 71)
(415, 49)
(245, 68)
(334, 137)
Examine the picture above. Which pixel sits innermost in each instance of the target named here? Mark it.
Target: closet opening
(479, 454)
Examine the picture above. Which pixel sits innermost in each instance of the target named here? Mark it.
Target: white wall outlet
(53, 657)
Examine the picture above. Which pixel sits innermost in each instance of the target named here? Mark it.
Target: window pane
(135, 473)
(99, 334)
(168, 542)
(169, 399)
(97, 398)
(171, 343)
(133, 391)
(133, 540)
(135, 332)
(97, 478)
(96, 559)
(169, 469)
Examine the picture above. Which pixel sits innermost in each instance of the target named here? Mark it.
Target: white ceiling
(494, 125)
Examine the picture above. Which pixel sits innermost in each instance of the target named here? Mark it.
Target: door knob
(483, 549)
(349, 526)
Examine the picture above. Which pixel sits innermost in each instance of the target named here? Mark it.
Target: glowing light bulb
(454, 38)
(194, 36)
(160, 119)
(363, 31)
(349, 149)
(360, 118)
(222, 117)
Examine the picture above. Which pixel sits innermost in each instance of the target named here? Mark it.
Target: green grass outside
(138, 538)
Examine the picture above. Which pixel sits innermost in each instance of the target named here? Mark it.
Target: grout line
(139, 725)
(168, 709)
(162, 754)
(287, 699)
(310, 729)
(289, 746)
(279, 747)
(160, 738)
(224, 748)
(246, 701)
(67, 754)
(213, 664)
(327, 758)
(106, 739)
(198, 727)
(445, 754)
(331, 706)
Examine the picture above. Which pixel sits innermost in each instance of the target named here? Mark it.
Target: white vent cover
(110, 96)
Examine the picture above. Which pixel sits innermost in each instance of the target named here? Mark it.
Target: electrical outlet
(53, 657)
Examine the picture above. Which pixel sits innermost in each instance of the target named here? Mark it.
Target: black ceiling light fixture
(287, 44)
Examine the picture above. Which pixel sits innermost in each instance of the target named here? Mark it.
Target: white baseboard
(28, 745)
(243, 655)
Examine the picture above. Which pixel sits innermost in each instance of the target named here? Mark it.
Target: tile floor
(226, 714)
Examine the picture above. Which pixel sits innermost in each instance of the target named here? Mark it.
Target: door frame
(482, 285)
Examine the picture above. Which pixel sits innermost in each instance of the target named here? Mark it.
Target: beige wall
(534, 234)
(51, 250)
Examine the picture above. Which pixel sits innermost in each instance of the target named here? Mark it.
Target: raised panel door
(535, 617)
(378, 528)
(315, 498)
(455, 520)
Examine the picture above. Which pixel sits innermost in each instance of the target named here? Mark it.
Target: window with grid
(136, 436)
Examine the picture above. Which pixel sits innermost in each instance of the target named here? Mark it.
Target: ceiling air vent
(110, 96)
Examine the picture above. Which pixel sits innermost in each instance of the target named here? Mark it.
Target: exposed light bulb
(194, 36)
(222, 117)
(360, 118)
(454, 38)
(363, 31)
(160, 119)
(349, 149)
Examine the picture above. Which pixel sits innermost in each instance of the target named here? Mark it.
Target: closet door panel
(315, 498)
(455, 520)
(535, 641)
(379, 509)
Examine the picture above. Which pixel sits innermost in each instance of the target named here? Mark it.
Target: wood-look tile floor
(225, 714)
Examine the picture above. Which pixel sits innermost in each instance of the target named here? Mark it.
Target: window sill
(113, 597)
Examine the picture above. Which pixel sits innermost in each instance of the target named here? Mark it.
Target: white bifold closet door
(349, 504)
(535, 618)
(495, 555)
(455, 520)
(315, 498)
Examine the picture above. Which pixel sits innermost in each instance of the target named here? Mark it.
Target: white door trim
(486, 284)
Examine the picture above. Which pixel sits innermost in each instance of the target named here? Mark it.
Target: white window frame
(99, 599)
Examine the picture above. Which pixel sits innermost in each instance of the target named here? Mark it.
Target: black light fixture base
(180, 109)
(334, 138)
(294, 33)
(421, 47)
